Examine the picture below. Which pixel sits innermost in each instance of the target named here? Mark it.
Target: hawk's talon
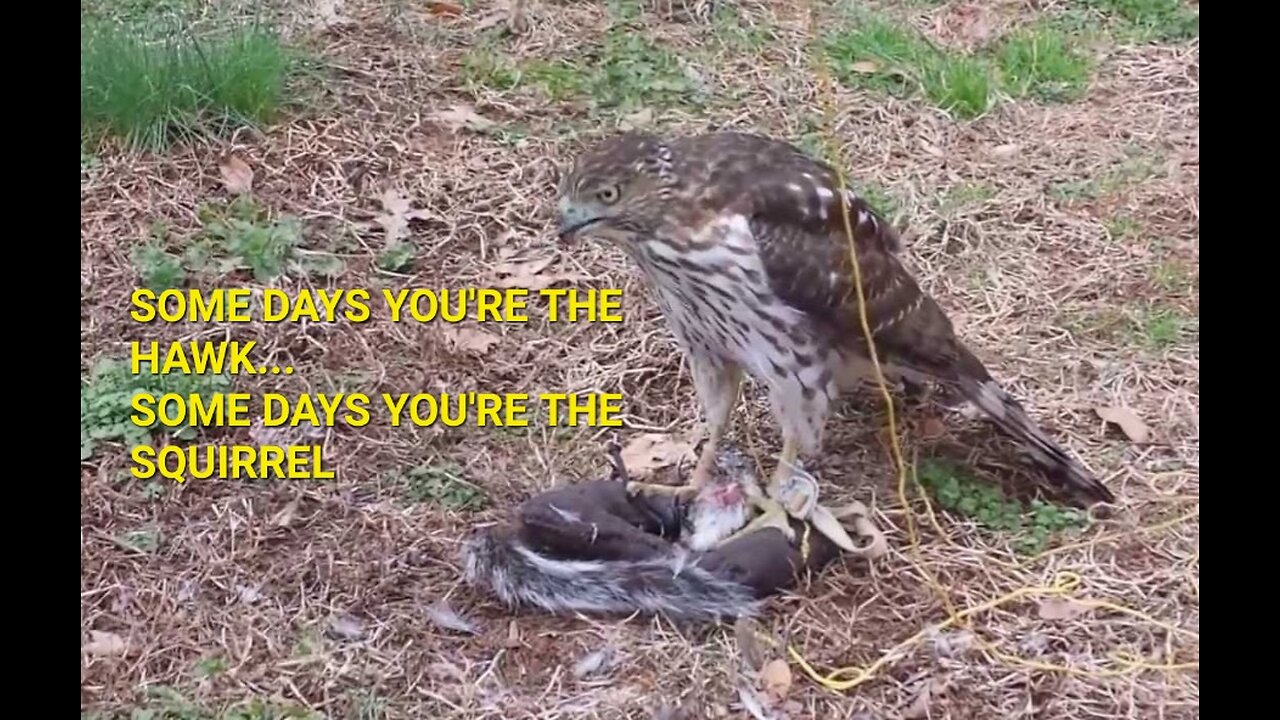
(798, 493)
(680, 492)
(857, 515)
(826, 523)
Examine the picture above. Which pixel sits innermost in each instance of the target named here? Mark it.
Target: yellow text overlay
(592, 306)
(273, 305)
(236, 305)
(198, 357)
(502, 410)
(173, 410)
(230, 462)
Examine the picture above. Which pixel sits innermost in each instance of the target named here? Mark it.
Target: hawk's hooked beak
(573, 219)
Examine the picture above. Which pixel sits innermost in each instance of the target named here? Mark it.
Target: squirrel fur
(592, 547)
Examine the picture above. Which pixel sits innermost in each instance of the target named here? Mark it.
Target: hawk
(742, 239)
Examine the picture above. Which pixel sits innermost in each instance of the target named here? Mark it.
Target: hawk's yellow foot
(797, 491)
(699, 479)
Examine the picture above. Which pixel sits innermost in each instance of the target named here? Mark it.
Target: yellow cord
(1064, 582)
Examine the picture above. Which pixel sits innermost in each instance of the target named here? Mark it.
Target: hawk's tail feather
(983, 391)
(519, 575)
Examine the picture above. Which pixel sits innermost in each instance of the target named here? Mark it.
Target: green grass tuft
(1150, 20)
(157, 268)
(877, 54)
(143, 540)
(1032, 528)
(883, 56)
(1173, 276)
(210, 666)
(959, 84)
(1043, 63)
(627, 72)
(106, 399)
(634, 72)
(881, 199)
(559, 79)
(1160, 327)
(486, 67)
(396, 258)
(964, 195)
(1124, 228)
(242, 235)
(168, 703)
(153, 82)
(735, 31)
(441, 485)
(1137, 166)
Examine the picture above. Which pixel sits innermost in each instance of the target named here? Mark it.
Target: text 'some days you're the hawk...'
(316, 411)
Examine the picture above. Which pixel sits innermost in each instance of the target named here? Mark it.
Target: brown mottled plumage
(743, 240)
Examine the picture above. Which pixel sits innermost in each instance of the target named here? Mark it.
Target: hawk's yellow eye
(608, 195)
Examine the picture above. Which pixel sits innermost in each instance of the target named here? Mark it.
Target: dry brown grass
(260, 574)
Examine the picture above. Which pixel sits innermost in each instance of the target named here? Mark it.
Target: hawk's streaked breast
(712, 290)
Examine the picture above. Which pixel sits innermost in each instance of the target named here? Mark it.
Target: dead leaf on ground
(471, 339)
(285, 517)
(284, 436)
(329, 14)
(753, 703)
(652, 451)
(105, 643)
(754, 644)
(641, 118)
(1005, 151)
(396, 216)
(932, 149)
(775, 680)
(456, 117)
(446, 617)
(492, 20)
(187, 590)
(967, 22)
(237, 176)
(667, 711)
(1061, 608)
(518, 21)
(249, 594)
(1034, 644)
(1128, 420)
(445, 8)
(345, 627)
(597, 661)
(865, 67)
(446, 669)
(513, 636)
(950, 644)
(528, 274)
(931, 428)
(919, 707)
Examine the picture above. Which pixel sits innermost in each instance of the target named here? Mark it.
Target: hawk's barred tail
(521, 576)
(982, 390)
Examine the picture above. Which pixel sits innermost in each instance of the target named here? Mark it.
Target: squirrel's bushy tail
(667, 585)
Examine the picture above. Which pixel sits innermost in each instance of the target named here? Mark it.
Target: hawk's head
(616, 189)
